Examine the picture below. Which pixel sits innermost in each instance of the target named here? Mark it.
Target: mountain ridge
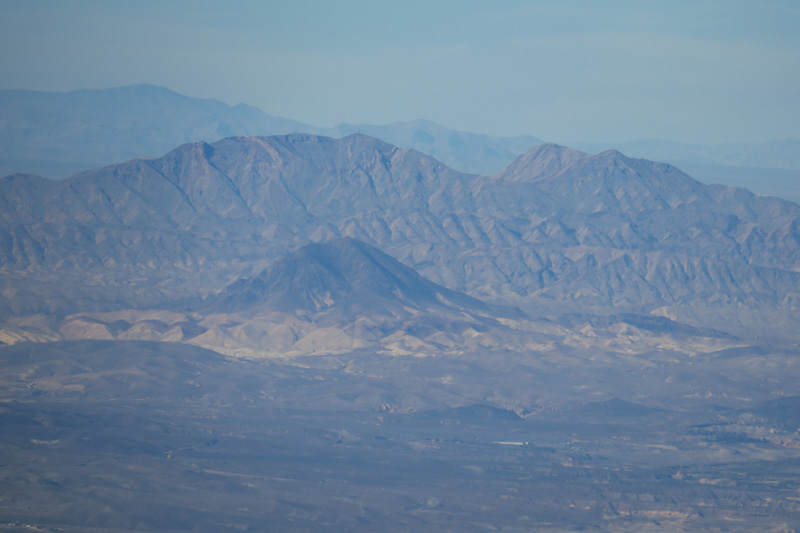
(597, 230)
(47, 138)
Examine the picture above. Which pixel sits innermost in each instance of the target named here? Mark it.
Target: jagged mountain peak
(312, 146)
(542, 160)
(611, 153)
(354, 141)
(285, 179)
(550, 160)
(607, 181)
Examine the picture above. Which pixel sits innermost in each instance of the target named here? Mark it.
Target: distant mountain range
(781, 154)
(460, 150)
(286, 324)
(557, 231)
(58, 134)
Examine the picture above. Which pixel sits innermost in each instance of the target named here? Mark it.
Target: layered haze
(410, 327)
(399, 266)
(58, 134)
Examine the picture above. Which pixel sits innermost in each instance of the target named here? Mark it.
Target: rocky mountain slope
(336, 297)
(345, 296)
(557, 231)
(766, 168)
(344, 274)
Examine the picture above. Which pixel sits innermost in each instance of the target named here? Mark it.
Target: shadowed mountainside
(345, 273)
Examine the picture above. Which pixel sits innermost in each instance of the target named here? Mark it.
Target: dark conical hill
(345, 273)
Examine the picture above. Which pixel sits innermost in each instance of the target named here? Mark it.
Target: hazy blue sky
(695, 71)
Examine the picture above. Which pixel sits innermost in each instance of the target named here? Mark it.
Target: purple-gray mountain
(556, 231)
(344, 275)
(57, 134)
